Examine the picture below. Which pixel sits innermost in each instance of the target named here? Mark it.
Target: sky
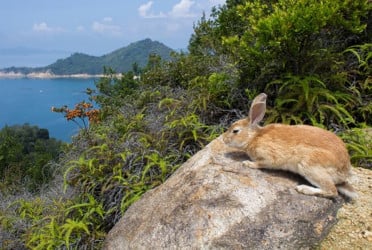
(37, 32)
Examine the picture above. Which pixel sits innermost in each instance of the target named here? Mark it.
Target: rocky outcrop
(213, 201)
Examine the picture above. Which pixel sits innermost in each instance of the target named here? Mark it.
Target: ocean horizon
(30, 101)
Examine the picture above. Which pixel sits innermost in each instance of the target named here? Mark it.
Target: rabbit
(314, 153)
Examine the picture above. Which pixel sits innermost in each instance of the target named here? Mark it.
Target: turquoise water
(30, 101)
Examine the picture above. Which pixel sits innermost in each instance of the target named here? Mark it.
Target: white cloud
(182, 9)
(43, 27)
(107, 19)
(145, 11)
(145, 8)
(106, 27)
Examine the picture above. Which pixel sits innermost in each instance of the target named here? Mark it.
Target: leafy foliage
(312, 58)
(359, 143)
(82, 111)
(359, 80)
(308, 100)
(290, 49)
(25, 153)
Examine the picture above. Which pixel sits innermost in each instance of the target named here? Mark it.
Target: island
(80, 65)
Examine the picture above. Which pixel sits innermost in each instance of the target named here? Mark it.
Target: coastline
(44, 75)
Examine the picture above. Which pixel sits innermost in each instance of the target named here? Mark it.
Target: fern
(73, 226)
(308, 100)
(359, 144)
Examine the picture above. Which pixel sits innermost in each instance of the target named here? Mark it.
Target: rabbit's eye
(235, 131)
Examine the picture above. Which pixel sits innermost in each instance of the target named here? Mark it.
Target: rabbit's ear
(258, 109)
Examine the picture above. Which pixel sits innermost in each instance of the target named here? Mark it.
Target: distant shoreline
(44, 75)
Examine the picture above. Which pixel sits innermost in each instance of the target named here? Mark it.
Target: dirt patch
(354, 227)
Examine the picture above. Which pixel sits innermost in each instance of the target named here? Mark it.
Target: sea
(25, 100)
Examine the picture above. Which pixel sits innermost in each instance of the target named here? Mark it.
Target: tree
(294, 51)
(25, 152)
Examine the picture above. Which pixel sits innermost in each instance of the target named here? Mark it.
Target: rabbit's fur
(314, 153)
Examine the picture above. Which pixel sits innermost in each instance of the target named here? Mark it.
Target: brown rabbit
(314, 153)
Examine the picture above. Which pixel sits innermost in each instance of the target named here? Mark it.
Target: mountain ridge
(120, 60)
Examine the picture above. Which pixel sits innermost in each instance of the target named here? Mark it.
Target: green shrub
(311, 57)
(359, 144)
(25, 153)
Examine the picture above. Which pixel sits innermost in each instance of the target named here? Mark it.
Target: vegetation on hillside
(26, 153)
(120, 60)
(312, 58)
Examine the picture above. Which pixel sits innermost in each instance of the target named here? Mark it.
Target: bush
(311, 57)
(25, 153)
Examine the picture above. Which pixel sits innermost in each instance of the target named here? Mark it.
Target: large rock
(213, 201)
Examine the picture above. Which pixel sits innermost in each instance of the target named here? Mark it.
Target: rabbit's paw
(304, 189)
(250, 164)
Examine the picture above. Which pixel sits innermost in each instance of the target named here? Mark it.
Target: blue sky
(29, 28)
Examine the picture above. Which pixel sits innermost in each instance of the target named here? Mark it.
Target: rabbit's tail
(347, 190)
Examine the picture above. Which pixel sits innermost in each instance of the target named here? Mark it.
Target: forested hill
(120, 60)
